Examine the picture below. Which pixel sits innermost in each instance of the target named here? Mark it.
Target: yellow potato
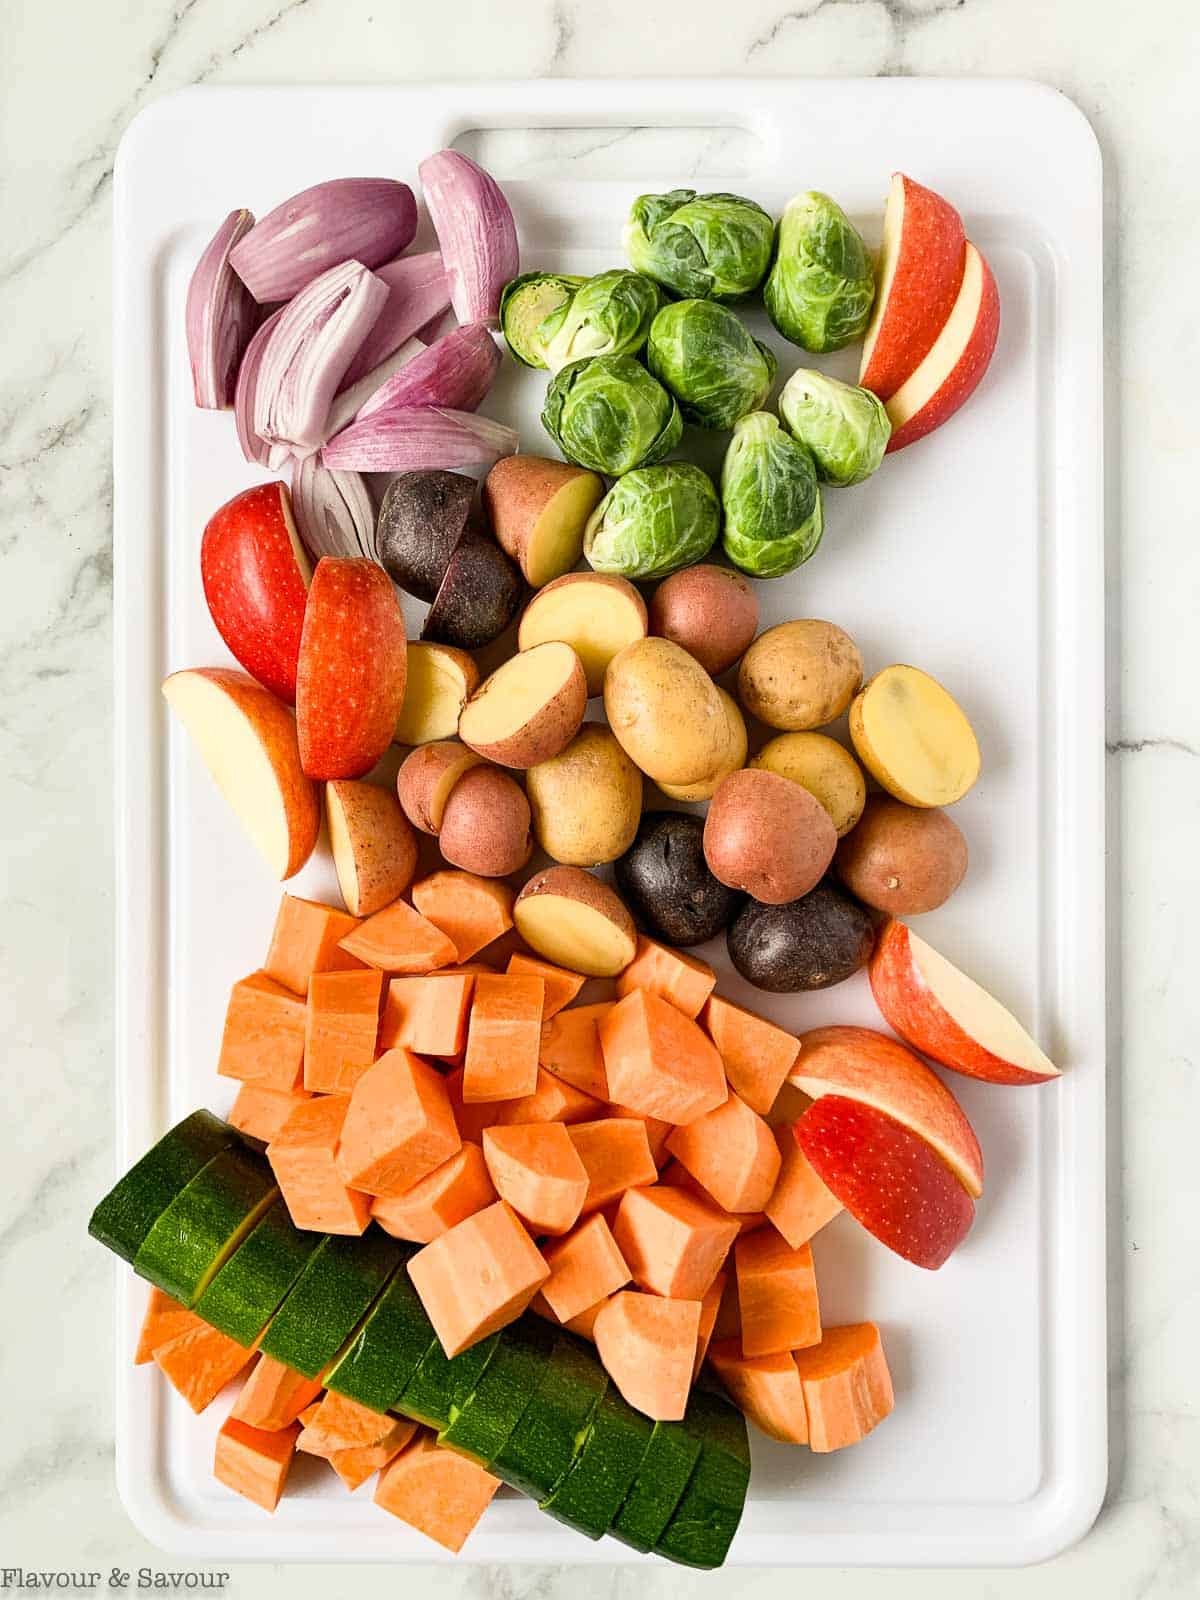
(587, 800)
(914, 738)
(734, 757)
(822, 766)
(800, 675)
(666, 711)
(373, 844)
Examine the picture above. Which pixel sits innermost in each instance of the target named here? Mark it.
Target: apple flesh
(247, 740)
(866, 1066)
(256, 576)
(947, 1016)
(887, 1178)
(919, 274)
(951, 372)
(352, 670)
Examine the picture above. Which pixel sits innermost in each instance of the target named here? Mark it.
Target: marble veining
(70, 80)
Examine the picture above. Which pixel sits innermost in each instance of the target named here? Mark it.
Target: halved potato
(373, 844)
(528, 709)
(596, 614)
(822, 766)
(538, 510)
(576, 921)
(439, 683)
(426, 777)
(734, 757)
(914, 738)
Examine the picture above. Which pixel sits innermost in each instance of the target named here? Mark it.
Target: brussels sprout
(709, 361)
(609, 414)
(610, 315)
(706, 246)
(771, 499)
(653, 521)
(526, 303)
(846, 428)
(821, 286)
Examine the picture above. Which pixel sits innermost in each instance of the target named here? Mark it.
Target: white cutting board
(976, 554)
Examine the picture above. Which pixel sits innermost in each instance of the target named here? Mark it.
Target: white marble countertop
(72, 76)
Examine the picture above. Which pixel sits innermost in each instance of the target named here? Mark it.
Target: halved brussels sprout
(654, 521)
(821, 285)
(771, 499)
(526, 303)
(845, 427)
(705, 246)
(609, 414)
(707, 358)
(609, 315)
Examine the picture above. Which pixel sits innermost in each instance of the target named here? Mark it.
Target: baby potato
(800, 675)
(711, 611)
(586, 801)
(811, 943)
(734, 757)
(768, 836)
(485, 826)
(666, 712)
(914, 738)
(901, 859)
(822, 766)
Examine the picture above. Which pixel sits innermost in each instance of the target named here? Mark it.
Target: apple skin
(887, 1178)
(863, 1065)
(256, 576)
(274, 729)
(352, 670)
(954, 367)
(910, 1006)
(923, 236)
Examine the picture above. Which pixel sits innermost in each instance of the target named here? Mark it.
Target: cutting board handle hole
(643, 153)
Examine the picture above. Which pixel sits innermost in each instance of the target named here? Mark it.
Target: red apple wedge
(947, 1016)
(862, 1065)
(919, 273)
(352, 670)
(950, 373)
(256, 577)
(887, 1178)
(247, 740)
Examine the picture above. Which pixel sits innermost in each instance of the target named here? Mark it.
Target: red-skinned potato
(529, 709)
(574, 920)
(256, 576)
(373, 844)
(352, 670)
(538, 509)
(767, 836)
(902, 859)
(426, 778)
(712, 612)
(485, 824)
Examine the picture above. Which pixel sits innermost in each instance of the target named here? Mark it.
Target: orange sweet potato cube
(399, 1127)
(260, 1113)
(673, 1243)
(263, 1038)
(503, 1037)
(303, 1157)
(254, 1462)
(585, 1267)
(673, 975)
(342, 1029)
(478, 1276)
(777, 1294)
(305, 941)
(452, 1192)
(436, 1491)
(427, 1014)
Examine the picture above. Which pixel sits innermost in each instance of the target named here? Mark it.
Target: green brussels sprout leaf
(846, 428)
(525, 305)
(703, 246)
(772, 502)
(654, 521)
(609, 414)
(821, 285)
(610, 315)
(706, 357)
